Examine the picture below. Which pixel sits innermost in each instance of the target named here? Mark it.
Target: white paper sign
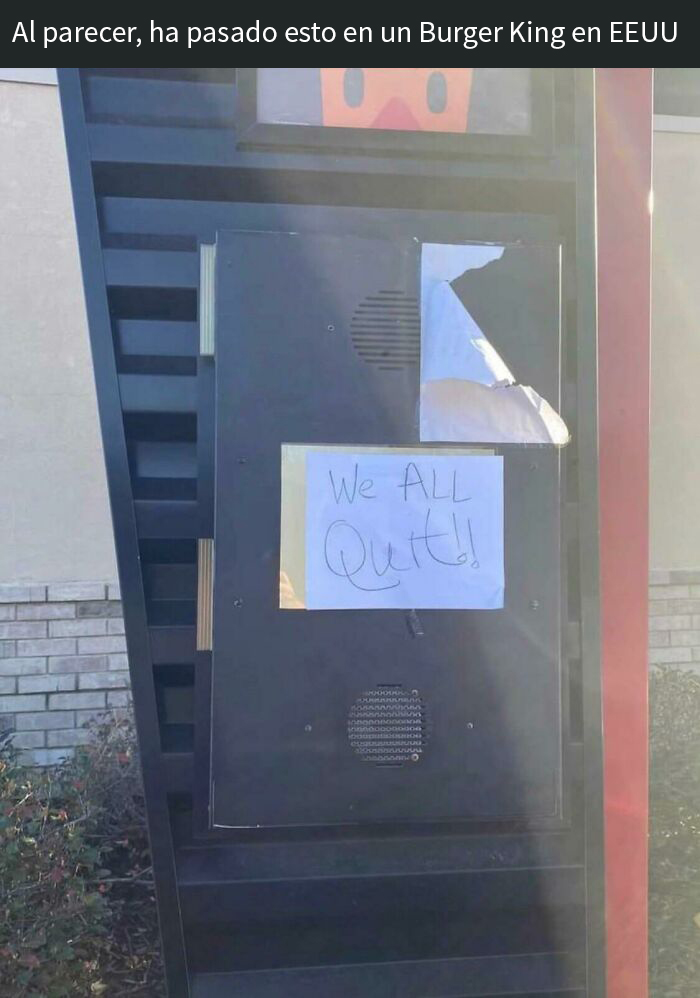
(404, 531)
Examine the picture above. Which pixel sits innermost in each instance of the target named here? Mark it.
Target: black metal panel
(155, 170)
(471, 978)
(455, 893)
(160, 102)
(284, 682)
(172, 645)
(157, 393)
(126, 531)
(368, 857)
(168, 582)
(151, 268)
(169, 339)
(386, 939)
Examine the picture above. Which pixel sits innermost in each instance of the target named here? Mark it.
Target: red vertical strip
(624, 147)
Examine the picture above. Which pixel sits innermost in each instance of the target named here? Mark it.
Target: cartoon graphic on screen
(410, 100)
(486, 101)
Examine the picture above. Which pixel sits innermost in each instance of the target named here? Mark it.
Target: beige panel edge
(207, 264)
(205, 593)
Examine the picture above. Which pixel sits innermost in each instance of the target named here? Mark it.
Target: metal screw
(238, 603)
(533, 466)
(415, 757)
(414, 693)
(242, 460)
(331, 329)
(470, 725)
(534, 604)
(307, 727)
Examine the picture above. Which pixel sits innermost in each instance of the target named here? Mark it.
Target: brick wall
(63, 656)
(62, 664)
(674, 619)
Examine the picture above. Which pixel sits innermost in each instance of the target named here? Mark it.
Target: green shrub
(77, 911)
(674, 898)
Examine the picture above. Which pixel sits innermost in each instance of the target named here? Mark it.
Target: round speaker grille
(388, 726)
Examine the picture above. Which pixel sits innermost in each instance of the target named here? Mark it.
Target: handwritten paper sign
(403, 531)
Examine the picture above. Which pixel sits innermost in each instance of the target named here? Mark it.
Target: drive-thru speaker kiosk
(412, 664)
(343, 324)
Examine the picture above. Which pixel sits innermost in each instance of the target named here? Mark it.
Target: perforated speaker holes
(385, 330)
(388, 726)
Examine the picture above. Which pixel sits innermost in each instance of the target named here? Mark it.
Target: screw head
(534, 604)
(238, 603)
(331, 328)
(307, 727)
(415, 757)
(470, 725)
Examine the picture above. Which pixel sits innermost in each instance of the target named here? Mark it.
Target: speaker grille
(385, 330)
(388, 726)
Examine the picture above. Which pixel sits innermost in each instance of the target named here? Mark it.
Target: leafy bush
(674, 899)
(77, 910)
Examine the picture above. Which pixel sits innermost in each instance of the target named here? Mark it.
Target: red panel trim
(624, 147)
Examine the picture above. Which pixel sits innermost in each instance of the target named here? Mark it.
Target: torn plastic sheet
(508, 414)
(468, 392)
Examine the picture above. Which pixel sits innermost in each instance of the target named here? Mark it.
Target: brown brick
(685, 638)
(17, 704)
(671, 623)
(118, 698)
(45, 720)
(28, 739)
(68, 736)
(44, 757)
(103, 680)
(82, 627)
(99, 608)
(22, 666)
(683, 576)
(669, 656)
(46, 646)
(45, 611)
(97, 646)
(23, 629)
(46, 684)
(76, 701)
(78, 663)
(669, 592)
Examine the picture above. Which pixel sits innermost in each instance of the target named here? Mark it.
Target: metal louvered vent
(385, 330)
(388, 726)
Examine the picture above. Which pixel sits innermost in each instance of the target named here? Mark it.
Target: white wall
(675, 358)
(54, 516)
